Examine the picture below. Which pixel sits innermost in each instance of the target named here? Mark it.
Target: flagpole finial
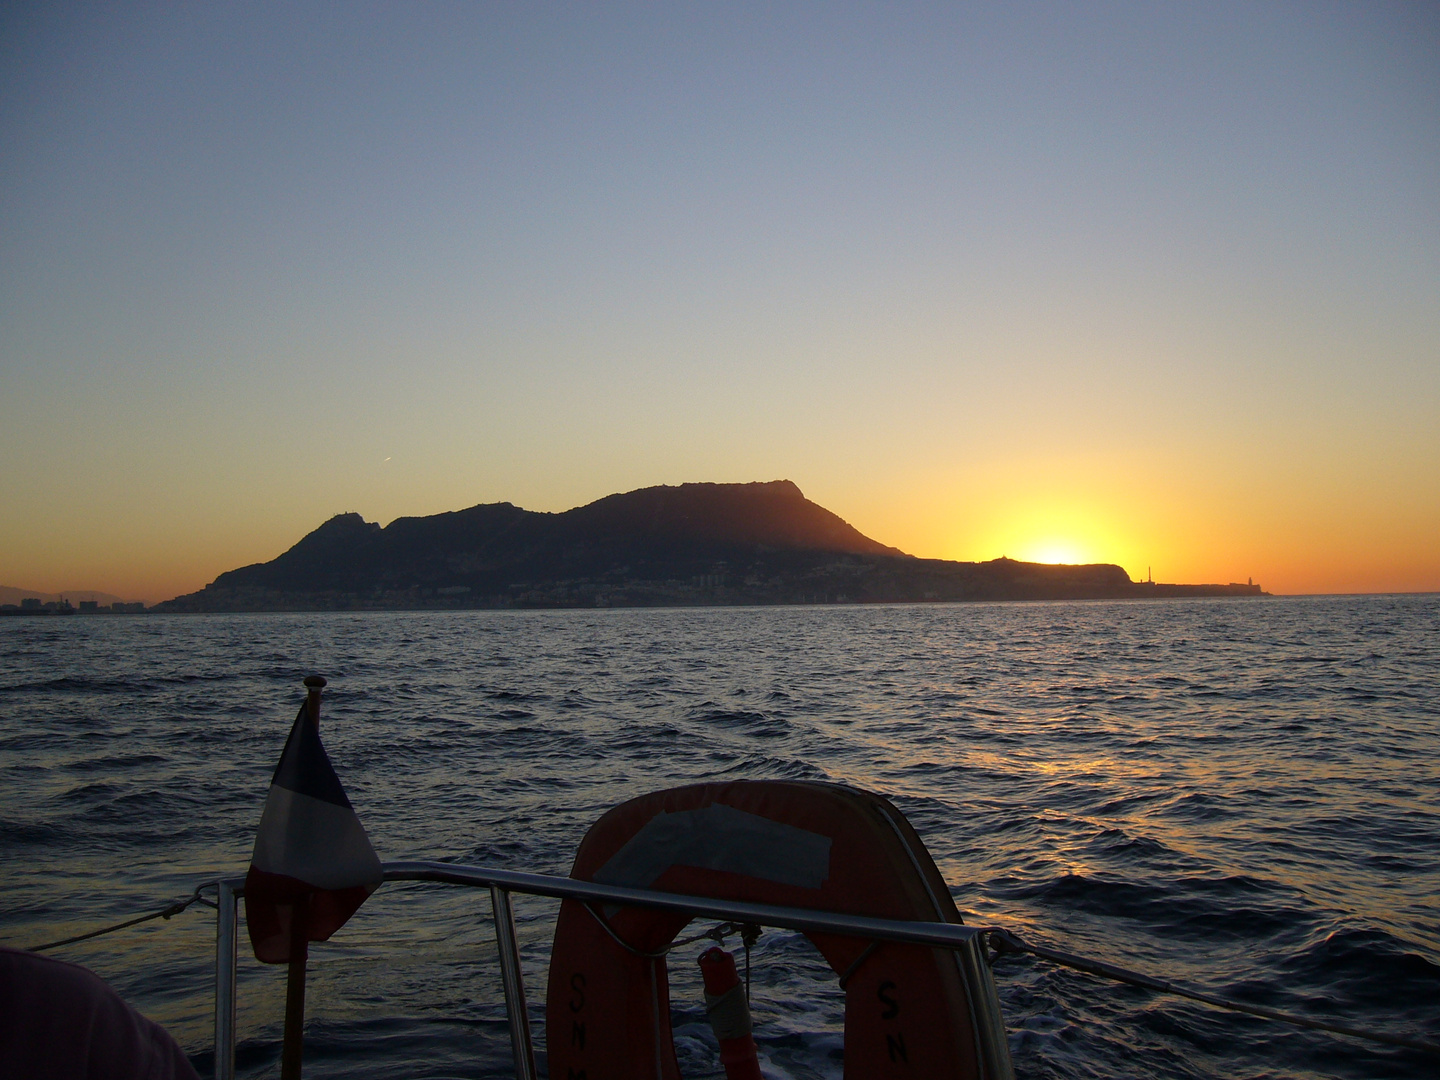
(313, 685)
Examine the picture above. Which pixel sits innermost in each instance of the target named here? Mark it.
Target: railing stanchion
(225, 935)
(514, 984)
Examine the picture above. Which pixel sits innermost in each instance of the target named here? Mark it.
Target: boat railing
(967, 942)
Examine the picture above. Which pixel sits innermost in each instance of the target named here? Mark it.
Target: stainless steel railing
(966, 941)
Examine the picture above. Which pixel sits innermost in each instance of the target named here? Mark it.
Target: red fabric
(269, 906)
(60, 1021)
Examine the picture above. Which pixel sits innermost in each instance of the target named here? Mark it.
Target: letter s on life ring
(910, 1010)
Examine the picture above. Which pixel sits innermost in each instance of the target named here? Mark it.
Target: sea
(1241, 794)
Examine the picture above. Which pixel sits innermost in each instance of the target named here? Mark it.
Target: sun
(1052, 533)
(1043, 523)
(1055, 550)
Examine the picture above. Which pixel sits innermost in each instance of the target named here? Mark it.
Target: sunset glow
(1154, 286)
(1054, 551)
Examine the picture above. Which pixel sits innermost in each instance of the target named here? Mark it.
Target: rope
(717, 934)
(1006, 942)
(164, 913)
(855, 964)
(749, 934)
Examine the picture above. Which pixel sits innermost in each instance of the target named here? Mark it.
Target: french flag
(313, 865)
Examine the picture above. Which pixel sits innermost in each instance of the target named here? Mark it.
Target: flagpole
(294, 1045)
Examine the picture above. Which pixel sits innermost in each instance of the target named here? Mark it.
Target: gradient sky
(1155, 284)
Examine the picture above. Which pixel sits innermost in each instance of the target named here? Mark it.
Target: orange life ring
(910, 1010)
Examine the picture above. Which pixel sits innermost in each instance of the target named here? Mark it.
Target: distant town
(33, 605)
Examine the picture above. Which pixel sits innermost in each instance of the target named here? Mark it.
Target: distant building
(89, 605)
(31, 603)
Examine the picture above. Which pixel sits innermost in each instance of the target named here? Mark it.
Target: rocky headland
(695, 544)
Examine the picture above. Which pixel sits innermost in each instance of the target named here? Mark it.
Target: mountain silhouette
(759, 543)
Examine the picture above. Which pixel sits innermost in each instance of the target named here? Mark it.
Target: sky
(1152, 284)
